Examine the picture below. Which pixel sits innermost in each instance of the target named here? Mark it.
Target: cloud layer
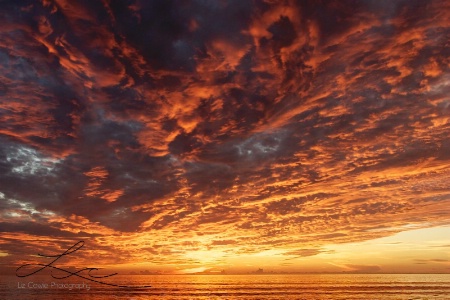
(228, 127)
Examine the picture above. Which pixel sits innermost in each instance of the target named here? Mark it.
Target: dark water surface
(298, 286)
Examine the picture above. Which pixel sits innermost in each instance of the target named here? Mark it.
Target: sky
(200, 136)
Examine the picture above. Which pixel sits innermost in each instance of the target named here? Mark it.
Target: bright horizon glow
(424, 250)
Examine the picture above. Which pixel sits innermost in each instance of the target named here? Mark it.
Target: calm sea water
(164, 287)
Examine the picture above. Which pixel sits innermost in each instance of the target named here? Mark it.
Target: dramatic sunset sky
(193, 135)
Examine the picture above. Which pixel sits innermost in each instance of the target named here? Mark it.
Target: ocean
(257, 286)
